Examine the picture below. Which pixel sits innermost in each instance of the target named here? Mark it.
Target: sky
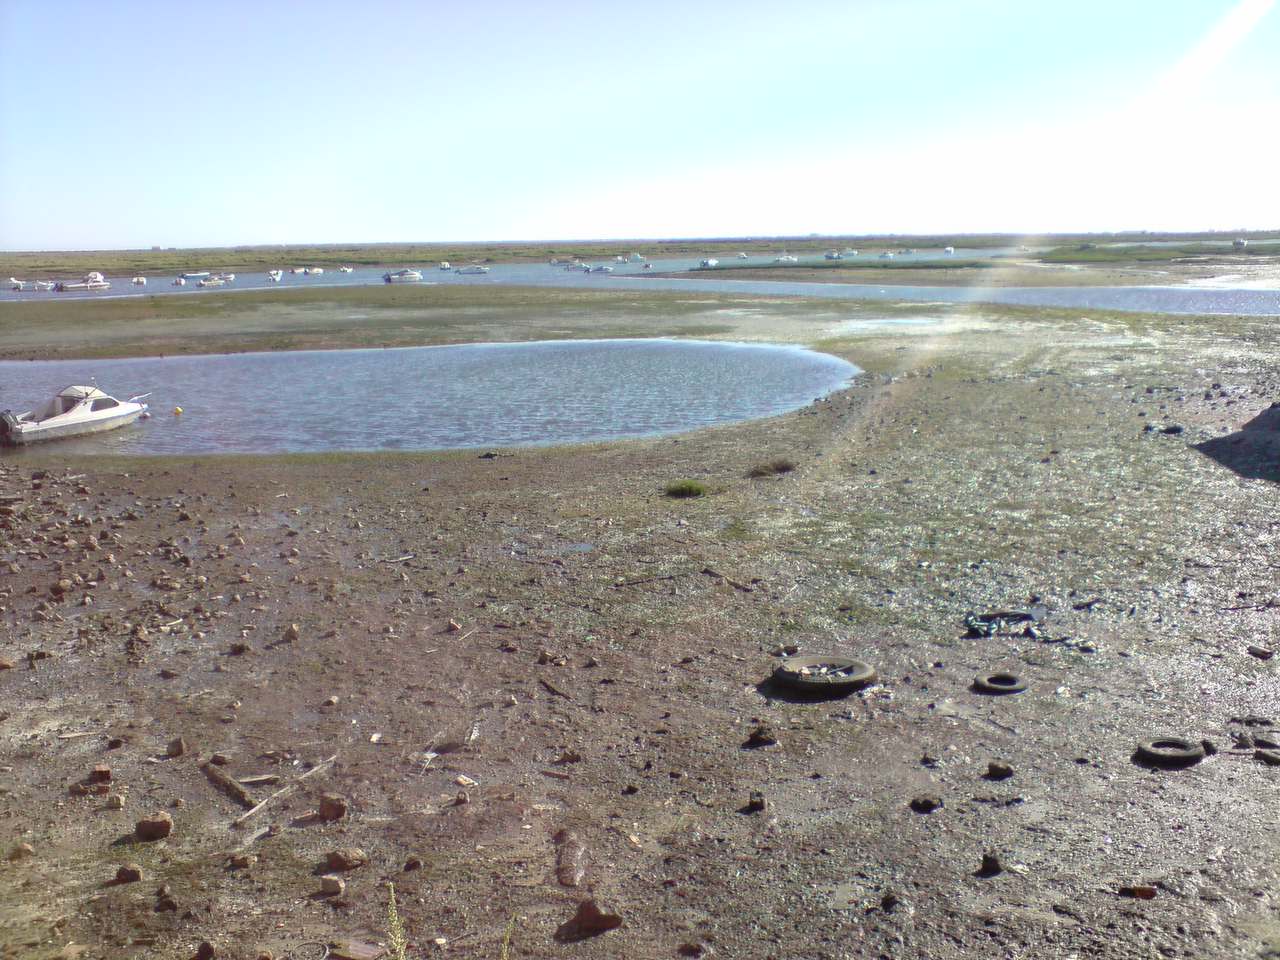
(157, 122)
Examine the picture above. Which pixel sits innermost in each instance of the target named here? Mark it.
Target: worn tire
(999, 683)
(853, 674)
(1170, 752)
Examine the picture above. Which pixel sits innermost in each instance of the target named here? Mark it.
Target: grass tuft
(685, 489)
(774, 468)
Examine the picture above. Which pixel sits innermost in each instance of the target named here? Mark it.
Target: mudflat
(512, 681)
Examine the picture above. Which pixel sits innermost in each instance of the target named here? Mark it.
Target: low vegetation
(685, 489)
(773, 468)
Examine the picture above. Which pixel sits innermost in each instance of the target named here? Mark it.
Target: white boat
(345, 269)
(402, 276)
(314, 271)
(786, 258)
(228, 277)
(74, 411)
(195, 275)
(473, 268)
(298, 270)
(833, 255)
(850, 252)
(619, 259)
(275, 275)
(92, 281)
(16, 284)
(601, 269)
(211, 282)
(709, 262)
(742, 256)
(949, 251)
(139, 281)
(445, 265)
(42, 284)
(887, 255)
(179, 281)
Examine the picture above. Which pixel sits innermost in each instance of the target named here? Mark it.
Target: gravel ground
(529, 676)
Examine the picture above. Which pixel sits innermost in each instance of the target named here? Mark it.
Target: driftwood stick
(227, 785)
(239, 821)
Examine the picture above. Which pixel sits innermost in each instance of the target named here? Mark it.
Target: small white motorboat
(211, 282)
(74, 411)
(313, 271)
(833, 255)
(275, 275)
(179, 281)
(91, 281)
(786, 258)
(195, 275)
(298, 270)
(42, 284)
(742, 256)
(228, 277)
(139, 281)
(402, 276)
(473, 268)
(345, 269)
(949, 251)
(445, 265)
(601, 269)
(16, 284)
(709, 262)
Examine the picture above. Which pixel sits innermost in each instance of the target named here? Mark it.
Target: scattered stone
(926, 804)
(756, 804)
(1262, 653)
(991, 866)
(355, 950)
(241, 861)
(155, 827)
(291, 634)
(100, 774)
(177, 747)
(115, 802)
(330, 702)
(413, 863)
(205, 951)
(6, 664)
(589, 921)
(129, 873)
(998, 770)
(333, 886)
(1138, 892)
(1270, 757)
(761, 736)
(332, 807)
(346, 858)
(221, 759)
(570, 858)
(693, 950)
(21, 852)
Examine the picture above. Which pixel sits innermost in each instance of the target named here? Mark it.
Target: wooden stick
(227, 785)
(239, 821)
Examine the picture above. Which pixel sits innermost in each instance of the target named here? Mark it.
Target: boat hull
(34, 433)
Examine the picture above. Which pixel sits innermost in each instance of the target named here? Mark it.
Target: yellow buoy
(177, 411)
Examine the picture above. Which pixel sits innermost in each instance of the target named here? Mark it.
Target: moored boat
(211, 282)
(473, 268)
(75, 410)
(709, 262)
(275, 275)
(445, 265)
(91, 281)
(402, 276)
(195, 275)
(345, 269)
(139, 281)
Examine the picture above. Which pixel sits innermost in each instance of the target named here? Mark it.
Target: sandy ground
(531, 677)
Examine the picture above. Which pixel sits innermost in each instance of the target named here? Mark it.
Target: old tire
(999, 683)
(824, 674)
(1170, 752)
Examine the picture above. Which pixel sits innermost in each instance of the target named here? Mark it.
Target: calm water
(1245, 299)
(420, 398)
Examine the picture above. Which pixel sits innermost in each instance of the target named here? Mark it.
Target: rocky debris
(1270, 757)
(756, 803)
(589, 921)
(332, 885)
(346, 858)
(99, 774)
(291, 634)
(998, 770)
(129, 873)
(694, 950)
(21, 852)
(761, 736)
(570, 858)
(229, 786)
(115, 802)
(926, 804)
(1138, 892)
(206, 951)
(1262, 653)
(177, 747)
(155, 827)
(241, 861)
(991, 866)
(332, 807)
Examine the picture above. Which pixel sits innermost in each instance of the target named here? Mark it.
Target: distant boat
(43, 284)
(139, 281)
(179, 281)
(709, 262)
(742, 256)
(16, 284)
(886, 255)
(1239, 243)
(297, 269)
(833, 255)
(275, 275)
(211, 282)
(619, 259)
(600, 269)
(92, 281)
(228, 277)
(345, 269)
(949, 251)
(313, 271)
(786, 258)
(402, 276)
(850, 252)
(445, 265)
(473, 268)
(195, 275)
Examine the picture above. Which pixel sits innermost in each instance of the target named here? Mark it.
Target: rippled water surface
(434, 397)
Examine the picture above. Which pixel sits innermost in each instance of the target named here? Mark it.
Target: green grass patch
(774, 468)
(685, 489)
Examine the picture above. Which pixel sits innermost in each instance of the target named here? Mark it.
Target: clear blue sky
(134, 123)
